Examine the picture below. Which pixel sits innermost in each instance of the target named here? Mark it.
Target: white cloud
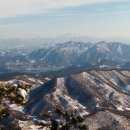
(125, 11)
(12, 8)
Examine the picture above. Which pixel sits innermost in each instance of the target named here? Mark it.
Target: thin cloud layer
(12, 8)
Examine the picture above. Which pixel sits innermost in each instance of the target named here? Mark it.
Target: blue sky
(46, 18)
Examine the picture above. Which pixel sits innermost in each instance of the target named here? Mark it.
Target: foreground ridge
(90, 100)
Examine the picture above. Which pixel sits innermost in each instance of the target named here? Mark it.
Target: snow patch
(22, 92)
(120, 108)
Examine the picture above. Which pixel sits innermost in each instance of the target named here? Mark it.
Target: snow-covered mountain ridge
(79, 52)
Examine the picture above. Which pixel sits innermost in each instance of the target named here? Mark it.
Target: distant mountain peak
(70, 35)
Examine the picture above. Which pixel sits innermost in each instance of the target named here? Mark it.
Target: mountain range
(72, 53)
